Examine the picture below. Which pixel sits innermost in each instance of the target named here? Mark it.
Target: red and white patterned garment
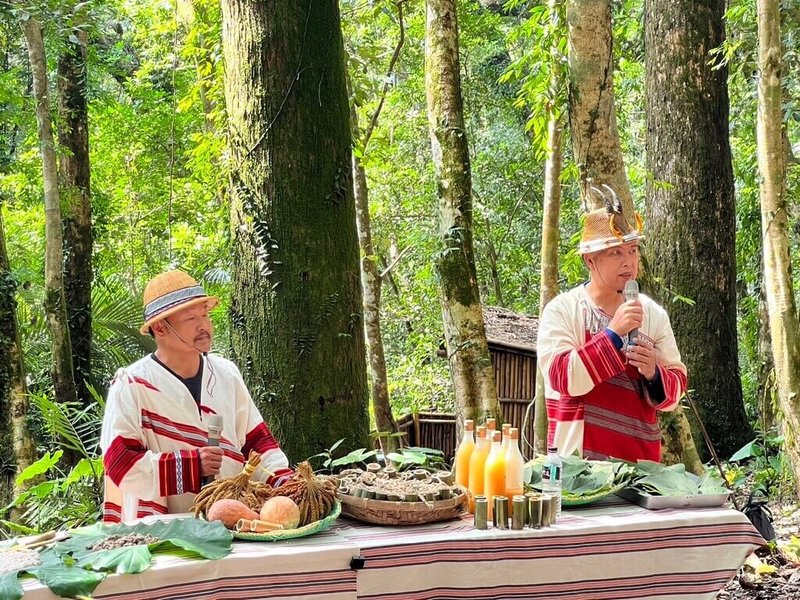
(152, 429)
(597, 404)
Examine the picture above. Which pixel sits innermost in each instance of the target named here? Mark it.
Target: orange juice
(476, 463)
(514, 465)
(464, 453)
(494, 473)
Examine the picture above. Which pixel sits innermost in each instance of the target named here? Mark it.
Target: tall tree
(76, 207)
(592, 112)
(467, 349)
(371, 279)
(691, 206)
(296, 308)
(15, 437)
(548, 287)
(596, 147)
(54, 302)
(783, 320)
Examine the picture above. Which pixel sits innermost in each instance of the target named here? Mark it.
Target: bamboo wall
(515, 378)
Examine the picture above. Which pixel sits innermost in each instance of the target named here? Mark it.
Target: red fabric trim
(279, 477)
(559, 372)
(143, 382)
(155, 417)
(121, 455)
(168, 472)
(260, 439)
(208, 410)
(112, 513)
(675, 383)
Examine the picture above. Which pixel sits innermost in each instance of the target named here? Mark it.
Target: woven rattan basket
(384, 512)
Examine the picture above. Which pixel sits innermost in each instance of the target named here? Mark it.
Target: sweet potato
(229, 512)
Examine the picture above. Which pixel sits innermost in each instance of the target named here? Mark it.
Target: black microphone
(631, 292)
(214, 432)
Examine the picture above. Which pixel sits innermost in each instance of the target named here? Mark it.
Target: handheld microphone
(631, 292)
(214, 432)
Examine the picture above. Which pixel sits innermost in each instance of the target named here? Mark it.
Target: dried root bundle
(313, 494)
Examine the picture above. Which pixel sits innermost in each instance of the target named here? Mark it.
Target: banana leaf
(582, 481)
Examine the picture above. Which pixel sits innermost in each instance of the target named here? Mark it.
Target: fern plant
(59, 498)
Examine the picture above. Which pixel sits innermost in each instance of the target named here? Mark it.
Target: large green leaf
(207, 539)
(63, 577)
(10, 587)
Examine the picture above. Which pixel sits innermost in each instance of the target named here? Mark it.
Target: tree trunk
(73, 136)
(767, 400)
(468, 353)
(592, 115)
(783, 321)
(54, 302)
(371, 283)
(296, 309)
(15, 437)
(549, 256)
(691, 226)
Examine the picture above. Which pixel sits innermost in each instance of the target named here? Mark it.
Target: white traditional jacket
(152, 429)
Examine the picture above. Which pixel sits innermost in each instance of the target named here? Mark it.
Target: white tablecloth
(610, 551)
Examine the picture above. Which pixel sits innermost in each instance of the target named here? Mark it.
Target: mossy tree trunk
(691, 206)
(468, 353)
(550, 225)
(783, 320)
(592, 112)
(371, 282)
(76, 206)
(54, 302)
(296, 310)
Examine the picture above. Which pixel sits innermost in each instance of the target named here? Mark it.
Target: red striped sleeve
(280, 477)
(260, 439)
(121, 456)
(674, 382)
(179, 472)
(112, 513)
(601, 358)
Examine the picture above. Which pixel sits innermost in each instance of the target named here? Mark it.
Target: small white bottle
(551, 476)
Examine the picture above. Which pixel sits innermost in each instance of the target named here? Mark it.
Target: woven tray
(384, 512)
(288, 534)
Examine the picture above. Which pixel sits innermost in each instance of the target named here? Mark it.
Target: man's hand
(210, 460)
(642, 355)
(628, 316)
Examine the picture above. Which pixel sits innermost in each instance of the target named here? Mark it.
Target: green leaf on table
(205, 539)
(63, 577)
(10, 587)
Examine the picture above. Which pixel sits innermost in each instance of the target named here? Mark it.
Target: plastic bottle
(464, 453)
(476, 463)
(494, 481)
(551, 475)
(514, 466)
(506, 439)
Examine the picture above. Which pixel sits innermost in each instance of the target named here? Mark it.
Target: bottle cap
(491, 423)
(552, 449)
(514, 433)
(506, 427)
(469, 425)
(481, 431)
(496, 436)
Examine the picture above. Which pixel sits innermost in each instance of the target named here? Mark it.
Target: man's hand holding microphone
(627, 320)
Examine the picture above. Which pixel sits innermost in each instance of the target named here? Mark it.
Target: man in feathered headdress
(608, 364)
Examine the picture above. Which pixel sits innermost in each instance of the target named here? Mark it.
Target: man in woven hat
(608, 364)
(163, 410)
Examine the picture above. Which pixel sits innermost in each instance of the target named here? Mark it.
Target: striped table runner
(312, 568)
(610, 551)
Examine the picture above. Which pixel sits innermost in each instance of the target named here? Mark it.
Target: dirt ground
(784, 583)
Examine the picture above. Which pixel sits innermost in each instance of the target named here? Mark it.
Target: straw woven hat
(170, 292)
(607, 227)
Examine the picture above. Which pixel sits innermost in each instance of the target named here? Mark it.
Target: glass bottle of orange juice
(494, 473)
(514, 465)
(491, 425)
(505, 429)
(476, 463)
(464, 453)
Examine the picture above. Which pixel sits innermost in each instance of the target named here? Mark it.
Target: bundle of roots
(313, 494)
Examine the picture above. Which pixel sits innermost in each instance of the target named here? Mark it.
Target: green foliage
(766, 463)
(59, 498)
